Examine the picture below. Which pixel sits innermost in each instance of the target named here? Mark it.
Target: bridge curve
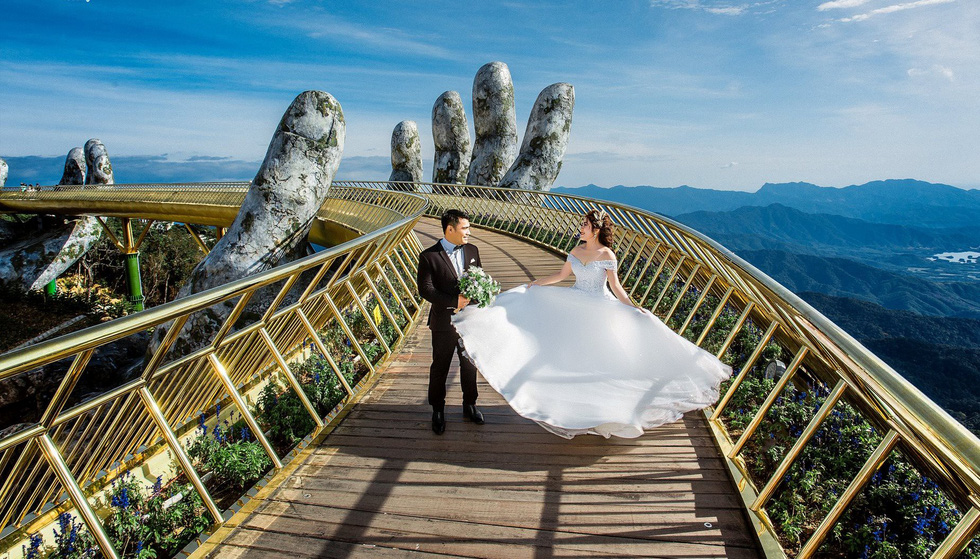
(382, 484)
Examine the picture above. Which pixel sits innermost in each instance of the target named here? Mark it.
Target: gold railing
(74, 444)
(658, 255)
(661, 262)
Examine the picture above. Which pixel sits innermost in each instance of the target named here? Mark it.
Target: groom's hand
(461, 303)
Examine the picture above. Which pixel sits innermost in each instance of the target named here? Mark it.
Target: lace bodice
(591, 277)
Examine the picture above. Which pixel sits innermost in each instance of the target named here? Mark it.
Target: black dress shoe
(438, 422)
(470, 412)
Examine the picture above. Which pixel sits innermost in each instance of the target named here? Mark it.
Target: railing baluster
(759, 348)
(290, 377)
(870, 467)
(653, 278)
(811, 429)
(668, 283)
(315, 336)
(89, 517)
(242, 406)
(767, 404)
(183, 460)
(683, 292)
(697, 304)
(734, 331)
(368, 318)
(957, 540)
(715, 315)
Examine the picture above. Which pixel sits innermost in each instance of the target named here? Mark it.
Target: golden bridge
(370, 479)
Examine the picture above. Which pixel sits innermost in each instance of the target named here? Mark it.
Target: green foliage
(167, 258)
(320, 383)
(900, 513)
(143, 523)
(230, 453)
(282, 414)
(155, 521)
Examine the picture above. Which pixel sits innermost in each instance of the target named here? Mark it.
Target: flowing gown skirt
(578, 363)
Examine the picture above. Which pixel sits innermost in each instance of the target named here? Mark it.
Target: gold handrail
(71, 448)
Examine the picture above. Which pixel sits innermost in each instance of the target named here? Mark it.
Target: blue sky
(710, 93)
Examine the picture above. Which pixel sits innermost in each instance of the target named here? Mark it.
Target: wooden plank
(472, 539)
(383, 485)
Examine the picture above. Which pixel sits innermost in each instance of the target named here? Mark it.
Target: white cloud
(730, 165)
(324, 26)
(936, 70)
(835, 4)
(895, 8)
(717, 8)
(730, 11)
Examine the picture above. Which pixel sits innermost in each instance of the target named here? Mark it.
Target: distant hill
(949, 376)
(940, 356)
(894, 247)
(867, 320)
(815, 231)
(900, 202)
(848, 278)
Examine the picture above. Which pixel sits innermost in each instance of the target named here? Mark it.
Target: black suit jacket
(439, 285)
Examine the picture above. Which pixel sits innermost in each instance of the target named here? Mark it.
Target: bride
(585, 359)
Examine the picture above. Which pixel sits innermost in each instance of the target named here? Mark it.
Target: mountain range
(898, 201)
(821, 233)
(849, 278)
(902, 249)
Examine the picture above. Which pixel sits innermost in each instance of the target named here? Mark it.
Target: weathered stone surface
(75, 167)
(451, 136)
(3, 172)
(495, 122)
(278, 210)
(36, 246)
(406, 152)
(97, 160)
(545, 140)
(86, 231)
(43, 248)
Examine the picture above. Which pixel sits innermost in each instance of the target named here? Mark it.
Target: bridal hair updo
(600, 221)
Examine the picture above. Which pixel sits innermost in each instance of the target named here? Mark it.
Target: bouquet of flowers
(477, 286)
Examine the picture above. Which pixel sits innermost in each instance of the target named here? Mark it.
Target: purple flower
(121, 499)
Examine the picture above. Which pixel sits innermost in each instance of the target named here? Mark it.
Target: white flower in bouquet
(477, 286)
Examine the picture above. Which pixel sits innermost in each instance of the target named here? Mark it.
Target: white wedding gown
(576, 360)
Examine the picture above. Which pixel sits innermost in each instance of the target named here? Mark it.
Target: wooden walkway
(383, 485)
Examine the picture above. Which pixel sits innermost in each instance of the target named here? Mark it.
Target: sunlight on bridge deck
(382, 484)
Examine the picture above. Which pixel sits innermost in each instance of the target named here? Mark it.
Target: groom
(439, 269)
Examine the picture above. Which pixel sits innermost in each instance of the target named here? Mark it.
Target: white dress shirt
(455, 255)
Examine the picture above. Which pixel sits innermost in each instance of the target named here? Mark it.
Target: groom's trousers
(444, 344)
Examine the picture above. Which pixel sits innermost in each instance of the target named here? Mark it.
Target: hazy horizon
(47, 170)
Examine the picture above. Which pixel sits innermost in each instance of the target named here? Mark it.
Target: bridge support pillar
(135, 281)
(131, 250)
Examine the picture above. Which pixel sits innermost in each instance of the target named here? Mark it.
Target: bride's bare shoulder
(606, 253)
